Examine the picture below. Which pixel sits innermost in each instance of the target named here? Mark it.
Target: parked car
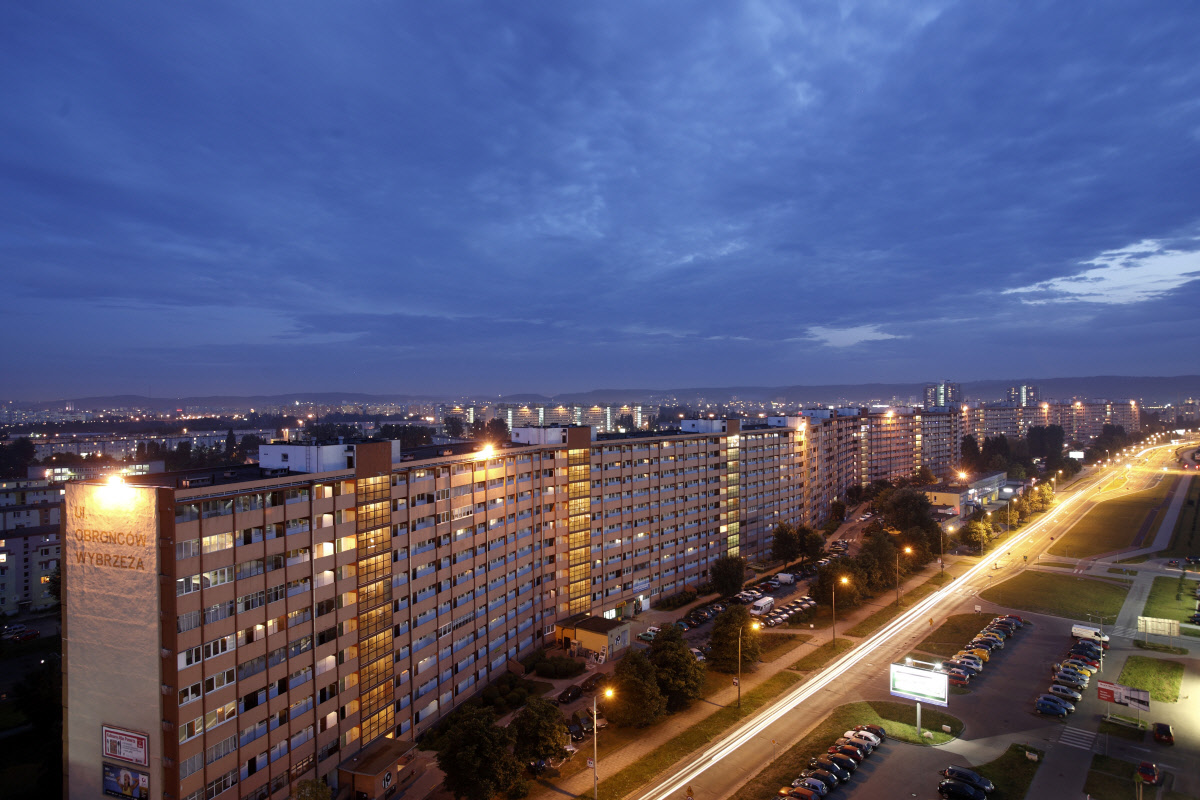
(830, 764)
(844, 761)
(696, 652)
(1079, 666)
(1163, 733)
(576, 731)
(1150, 773)
(955, 772)
(878, 730)
(865, 735)
(984, 656)
(586, 723)
(594, 682)
(11, 631)
(25, 636)
(960, 790)
(599, 718)
(1088, 660)
(1065, 693)
(956, 677)
(570, 694)
(812, 784)
(1062, 701)
(682, 625)
(826, 777)
(962, 666)
(849, 751)
(1070, 681)
(1050, 709)
(802, 793)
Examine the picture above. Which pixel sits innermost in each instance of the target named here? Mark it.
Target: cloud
(1133, 274)
(848, 337)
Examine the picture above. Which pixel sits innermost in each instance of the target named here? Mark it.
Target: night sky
(455, 197)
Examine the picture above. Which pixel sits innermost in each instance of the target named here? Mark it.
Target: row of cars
(19, 633)
(784, 613)
(1071, 675)
(960, 783)
(835, 767)
(968, 662)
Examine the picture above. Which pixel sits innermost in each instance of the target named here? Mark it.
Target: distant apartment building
(30, 512)
(889, 444)
(126, 446)
(940, 395)
(1080, 420)
(1024, 395)
(605, 418)
(825, 465)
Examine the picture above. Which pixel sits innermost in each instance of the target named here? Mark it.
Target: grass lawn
(1158, 675)
(1122, 571)
(1186, 538)
(884, 615)
(655, 763)
(1123, 731)
(891, 716)
(1012, 772)
(1058, 564)
(1160, 648)
(1068, 596)
(823, 655)
(1167, 601)
(1110, 779)
(952, 634)
(773, 645)
(1111, 525)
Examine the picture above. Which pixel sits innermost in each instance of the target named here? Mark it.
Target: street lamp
(986, 536)
(753, 626)
(843, 580)
(907, 550)
(595, 746)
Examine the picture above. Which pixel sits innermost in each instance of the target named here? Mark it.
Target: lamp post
(907, 550)
(986, 536)
(753, 627)
(595, 746)
(842, 580)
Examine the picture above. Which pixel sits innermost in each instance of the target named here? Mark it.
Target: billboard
(1076, 454)
(923, 685)
(1117, 693)
(1107, 691)
(1156, 625)
(126, 745)
(125, 782)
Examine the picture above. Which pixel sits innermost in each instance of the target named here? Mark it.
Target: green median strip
(886, 614)
(1110, 779)
(1069, 596)
(1160, 676)
(823, 655)
(657, 762)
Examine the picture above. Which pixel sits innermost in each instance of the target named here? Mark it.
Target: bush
(558, 667)
(678, 600)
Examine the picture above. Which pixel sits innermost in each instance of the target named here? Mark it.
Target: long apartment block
(229, 633)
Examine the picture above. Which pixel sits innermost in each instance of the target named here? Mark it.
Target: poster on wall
(126, 745)
(125, 782)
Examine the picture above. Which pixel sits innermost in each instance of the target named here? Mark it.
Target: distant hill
(1147, 390)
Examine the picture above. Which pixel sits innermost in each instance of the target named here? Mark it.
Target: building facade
(941, 395)
(29, 544)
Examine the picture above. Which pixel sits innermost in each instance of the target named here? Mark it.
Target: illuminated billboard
(126, 782)
(923, 685)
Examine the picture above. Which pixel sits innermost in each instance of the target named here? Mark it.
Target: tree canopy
(680, 676)
(727, 574)
(475, 756)
(723, 657)
(539, 731)
(637, 700)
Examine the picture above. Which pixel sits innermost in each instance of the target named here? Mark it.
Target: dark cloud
(506, 197)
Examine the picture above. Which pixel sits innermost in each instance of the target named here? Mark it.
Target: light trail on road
(673, 786)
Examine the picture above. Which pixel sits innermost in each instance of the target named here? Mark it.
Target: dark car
(802, 793)
(1163, 733)
(955, 772)
(960, 665)
(1150, 773)
(1194, 618)
(1193, 559)
(830, 764)
(1053, 698)
(960, 790)
(594, 682)
(587, 724)
(878, 730)
(569, 694)
(1050, 709)
(849, 751)
(683, 626)
(25, 636)
(576, 731)
(826, 777)
(990, 645)
(862, 744)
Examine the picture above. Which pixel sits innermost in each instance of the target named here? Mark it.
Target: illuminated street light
(844, 580)
(753, 626)
(596, 747)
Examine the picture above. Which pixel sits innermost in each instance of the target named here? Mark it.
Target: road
(722, 768)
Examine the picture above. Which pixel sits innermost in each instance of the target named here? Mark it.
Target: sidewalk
(674, 724)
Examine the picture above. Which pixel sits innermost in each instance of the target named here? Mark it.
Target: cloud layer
(500, 197)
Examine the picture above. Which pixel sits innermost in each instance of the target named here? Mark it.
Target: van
(785, 577)
(1089, 633)
(762, 606)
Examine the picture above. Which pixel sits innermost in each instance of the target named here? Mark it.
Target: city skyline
(551, 199)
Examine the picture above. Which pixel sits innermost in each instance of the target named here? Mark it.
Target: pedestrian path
(1121, 630)
(1077, 737)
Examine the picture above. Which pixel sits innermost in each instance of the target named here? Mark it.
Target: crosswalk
(1122, 631)
(1076, 737)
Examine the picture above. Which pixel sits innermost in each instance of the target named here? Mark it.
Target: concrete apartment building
(29, 544)
(289, 623)
(942, 395)
(1081, 420)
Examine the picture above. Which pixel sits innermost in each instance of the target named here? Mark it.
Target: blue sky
(204, 198)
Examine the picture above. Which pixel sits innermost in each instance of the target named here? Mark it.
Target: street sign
(591, 764)
(978, 609)
(923, 685)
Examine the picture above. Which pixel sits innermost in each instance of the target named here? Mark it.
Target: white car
(812, 784)
(696, 652)
(1065, 693)
(867, 736)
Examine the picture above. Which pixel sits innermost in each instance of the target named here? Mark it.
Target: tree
(637, 701)
(454, 427)
(475, 756)
(727, 575)
(837, 510)
(16, 457)
(230, 446)
(785, 546)
(924, 477)
(976, 532)
(55, 583)
(539, 731)
(625, 423)
(970, 452)
(680, 676)
(906, 508)
(312, 790)
(723, 657)
(811, 544)
(496, 431)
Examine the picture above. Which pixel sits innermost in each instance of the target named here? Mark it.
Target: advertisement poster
(126, 745)
(125, 782)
